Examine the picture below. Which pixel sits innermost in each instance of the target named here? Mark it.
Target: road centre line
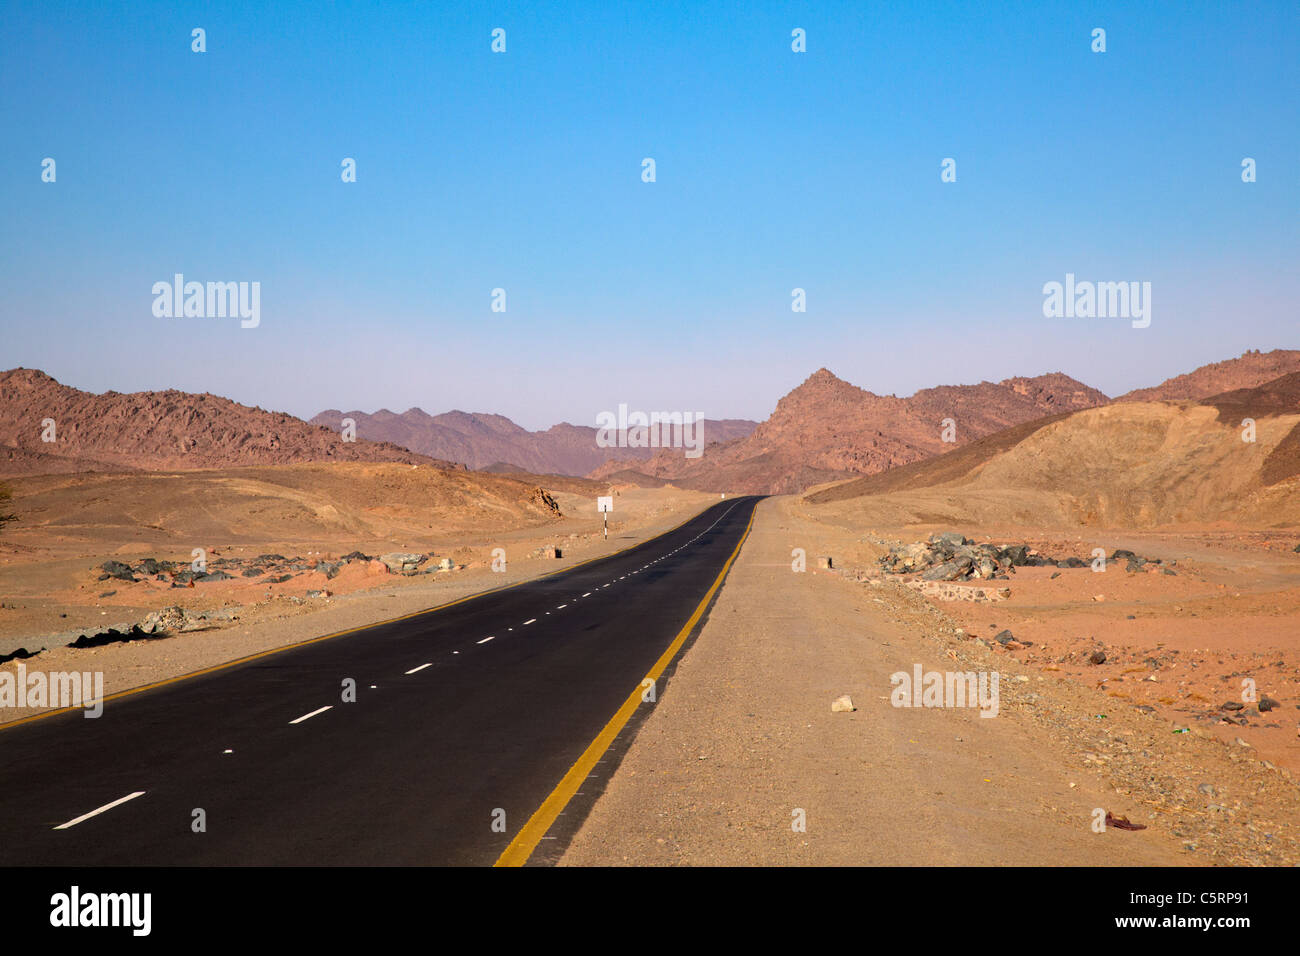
(95, 813)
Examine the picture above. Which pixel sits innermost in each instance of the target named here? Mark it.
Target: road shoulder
(743, 746)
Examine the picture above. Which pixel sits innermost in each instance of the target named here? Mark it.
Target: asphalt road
(464, 717)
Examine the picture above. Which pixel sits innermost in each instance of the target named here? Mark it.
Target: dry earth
(49, 570)
(744, 736)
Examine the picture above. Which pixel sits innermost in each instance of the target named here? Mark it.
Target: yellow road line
(352, 630)
(522, 846)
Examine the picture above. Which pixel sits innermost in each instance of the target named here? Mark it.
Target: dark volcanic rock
(949, 570)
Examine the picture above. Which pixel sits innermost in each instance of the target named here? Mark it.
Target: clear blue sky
(523, 171)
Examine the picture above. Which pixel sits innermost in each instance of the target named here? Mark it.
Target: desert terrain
(1130, 568)
(1160, 683)
(292, 552)
(744, 737)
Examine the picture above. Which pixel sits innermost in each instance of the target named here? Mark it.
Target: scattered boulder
(402, 562)
(1097, 657)
(167, 619)
(116, 570)
(543, 499)
(949, 539)
(111, 636)
(949, 570)
(19, 655)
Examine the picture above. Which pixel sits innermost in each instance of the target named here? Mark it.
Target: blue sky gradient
(775, 170)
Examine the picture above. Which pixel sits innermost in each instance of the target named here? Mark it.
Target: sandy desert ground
(745, 736)
(311, 515)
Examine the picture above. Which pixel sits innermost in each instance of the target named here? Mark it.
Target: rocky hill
(1250, 370)
(154, 431)
(827, 428)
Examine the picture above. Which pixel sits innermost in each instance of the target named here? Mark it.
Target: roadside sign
(605, 503)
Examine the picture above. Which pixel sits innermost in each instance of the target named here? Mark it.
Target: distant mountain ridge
(1250, 370)
(481, 440)
(827, 428)
(823, 430)
(154, 431)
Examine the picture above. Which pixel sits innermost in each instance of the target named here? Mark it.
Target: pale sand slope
(744, 734)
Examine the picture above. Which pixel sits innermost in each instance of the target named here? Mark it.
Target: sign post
(605, 504)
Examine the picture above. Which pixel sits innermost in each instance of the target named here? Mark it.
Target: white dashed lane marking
(485, 640)
(416, 670)
(531, 620)
(318, 710)
(95, 813)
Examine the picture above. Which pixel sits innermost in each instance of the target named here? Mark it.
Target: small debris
(1122, 823)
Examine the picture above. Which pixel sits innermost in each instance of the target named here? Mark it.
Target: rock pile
(273, 568)
(954, 557)
(950, 556)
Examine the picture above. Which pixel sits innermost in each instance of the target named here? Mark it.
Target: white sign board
(605, 503)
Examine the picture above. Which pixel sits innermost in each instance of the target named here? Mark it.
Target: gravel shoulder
(743, 739)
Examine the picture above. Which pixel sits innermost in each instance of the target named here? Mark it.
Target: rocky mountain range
(493, 442)
(1252, 369)
(158, 431)
(823, 430)
(827, 429)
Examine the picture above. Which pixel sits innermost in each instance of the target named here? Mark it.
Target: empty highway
(479, 733)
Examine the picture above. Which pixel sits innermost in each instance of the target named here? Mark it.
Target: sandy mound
(348, 500)
(1130, 465)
